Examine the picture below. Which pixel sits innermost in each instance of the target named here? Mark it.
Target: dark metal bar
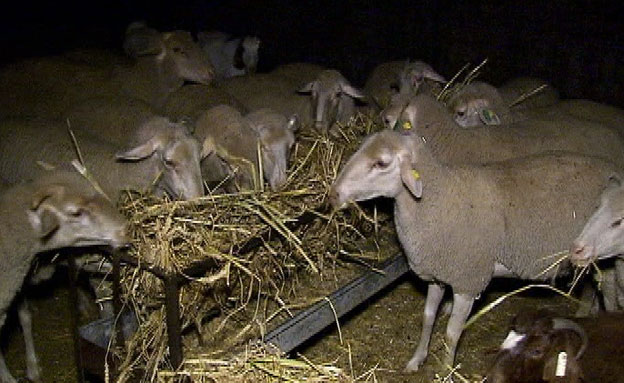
(308, 323)
(73, 299)
(174, 327)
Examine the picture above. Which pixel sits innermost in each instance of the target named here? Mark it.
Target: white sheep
(56, 211)
(166, 162)
(424, 116)
(236, 139)
(230, 56)
(519, 93)
(404, 77)
(331, 96)
(478, 104)
(500, 219)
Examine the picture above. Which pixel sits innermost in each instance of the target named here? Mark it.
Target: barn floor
(383, 333)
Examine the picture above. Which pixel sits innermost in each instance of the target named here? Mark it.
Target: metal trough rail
(310, 322)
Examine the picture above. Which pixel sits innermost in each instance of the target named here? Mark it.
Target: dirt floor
(381, 334)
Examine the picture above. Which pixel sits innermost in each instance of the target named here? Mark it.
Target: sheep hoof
(413, 365)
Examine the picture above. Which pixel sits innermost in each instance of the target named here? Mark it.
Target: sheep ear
(411, 179)
(307, 88)
(294, 123)
(433, 75)
(140, 152)
(43, 217)
(351, 91)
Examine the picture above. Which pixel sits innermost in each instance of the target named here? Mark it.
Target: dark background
(577, 45)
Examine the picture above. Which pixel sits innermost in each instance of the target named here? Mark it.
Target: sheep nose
(334, 198)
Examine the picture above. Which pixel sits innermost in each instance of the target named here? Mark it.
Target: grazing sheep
(48, 87)
(404, 77)
(167, 162)
(277, 137)
(331, 101)
(236, 141)
(532, 351)
(427, 117)
(478, 104)
(230, 56)
(499, 219)
(602, 238)
(58, 210)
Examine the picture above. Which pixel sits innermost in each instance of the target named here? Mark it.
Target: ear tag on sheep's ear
(489, 117)
(562, 362)
(415, 174)
(404, 125)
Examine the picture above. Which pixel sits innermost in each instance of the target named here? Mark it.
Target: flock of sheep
(481, 182)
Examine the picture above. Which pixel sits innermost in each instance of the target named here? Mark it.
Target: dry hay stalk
(244, 287)
(257, 363)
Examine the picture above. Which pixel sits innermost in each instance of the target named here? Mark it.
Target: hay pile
(252, 291)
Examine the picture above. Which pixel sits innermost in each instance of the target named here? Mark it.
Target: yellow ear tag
(415, 174)
(407, 125)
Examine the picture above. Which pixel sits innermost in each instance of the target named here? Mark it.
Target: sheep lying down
(57, 210)
(496, 220)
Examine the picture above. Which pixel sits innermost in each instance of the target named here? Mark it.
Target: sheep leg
(608, 289)
(5, 375)
(32, 364)
(619, 282)
(435, 292)
(462, 304)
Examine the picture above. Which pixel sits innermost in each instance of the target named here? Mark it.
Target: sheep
(499, 219)
(479, 103)
(277, 137)
(602, 238)
(424, 116)
(138, 36)
(57, 210)
(403, 77)
(49, 87)
(230, 56)
(167, 162)
(236, 139)
(513, 90)
(192, 100)
(532, 350)
(331, 101)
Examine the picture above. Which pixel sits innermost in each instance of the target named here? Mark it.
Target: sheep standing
(58, 210)
(167, 162)
(236, 139)
(230, 56)
(499, 219)
(424, 116)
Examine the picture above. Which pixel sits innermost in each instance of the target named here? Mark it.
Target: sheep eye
(380, 164)
(616, 223)
(169, 163)
(461, 113)
(76, 212)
